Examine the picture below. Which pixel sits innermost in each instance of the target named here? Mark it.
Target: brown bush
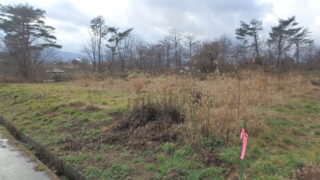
(212, 107)
(151, 121)
(137, 85)
(84, 79)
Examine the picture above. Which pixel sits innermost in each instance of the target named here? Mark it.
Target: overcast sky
(152, 19)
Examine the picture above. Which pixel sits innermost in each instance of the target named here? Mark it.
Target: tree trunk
(298, 53)
(112, 60)
(99, 49)
(279, 57)
(256, 45)
(94, 66)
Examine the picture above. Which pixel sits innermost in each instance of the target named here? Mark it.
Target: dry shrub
(107, 83)
(212, 107)
(4, 79)
(148, 123)
(137, 85)
(3, 83)
(147, 81)
(110, 82)
(72, 145)
(165, 88)
(90, 108)
(216, 107)
(77, 104)
(84, 79)
(83, 106)
(315, 81)
(280, 85)
(145, 111)
(262, 83)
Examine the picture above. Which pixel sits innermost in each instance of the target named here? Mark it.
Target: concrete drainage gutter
(44, 154)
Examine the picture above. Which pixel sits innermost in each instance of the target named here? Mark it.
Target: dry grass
(216, 105)
(137, 85)
(89, 81)
(219, 104)
(84, 80)
(4, 80)
(281, 112)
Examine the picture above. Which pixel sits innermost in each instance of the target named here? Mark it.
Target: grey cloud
(65, 11)
(211, 18)
(152, 19)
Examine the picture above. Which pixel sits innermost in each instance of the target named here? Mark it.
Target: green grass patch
(314, 126)
(54, 114)
(263, 168)
(150, 167)
(279, 122)
(212, 142)
(76, 159)
(168, 147)
(299, 107)
(117, 171)
(93, 172)
(231, 155)
(136, 161)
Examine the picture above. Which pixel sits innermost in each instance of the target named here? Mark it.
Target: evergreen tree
(282, 35)
(299, 39)
(26, 36)
(250, 30)
(114, 41)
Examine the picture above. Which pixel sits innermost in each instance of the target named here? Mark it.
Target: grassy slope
(53, 114)
(50, 114)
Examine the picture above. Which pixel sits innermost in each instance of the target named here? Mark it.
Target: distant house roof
(184, 68)
(55, 70)
(77, 60)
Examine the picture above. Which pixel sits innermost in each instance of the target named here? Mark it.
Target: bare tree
(225, 44)
(175, 38)
(166, 44)
(90, 50)
(125, 51)
(190, 42)
(207, 60)
(99, 31)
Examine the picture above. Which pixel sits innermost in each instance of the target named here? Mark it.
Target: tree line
(27, 41)
(287, 46)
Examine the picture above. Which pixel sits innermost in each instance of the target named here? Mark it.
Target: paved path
(15, 166)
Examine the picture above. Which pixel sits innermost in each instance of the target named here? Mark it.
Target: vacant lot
(175, 127)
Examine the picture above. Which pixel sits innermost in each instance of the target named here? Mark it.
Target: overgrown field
(175, 127)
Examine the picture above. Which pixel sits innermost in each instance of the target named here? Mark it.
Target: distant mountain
(67, 56)
(51, 54)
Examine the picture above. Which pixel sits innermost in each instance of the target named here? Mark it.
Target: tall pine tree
(251, 30)
(282, 35)
(26, 36)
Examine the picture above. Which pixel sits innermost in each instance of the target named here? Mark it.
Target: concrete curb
(43, 153)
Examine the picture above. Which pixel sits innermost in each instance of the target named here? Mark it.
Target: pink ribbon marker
(244, 137)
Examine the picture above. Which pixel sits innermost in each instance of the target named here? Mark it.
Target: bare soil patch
(307, 173)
